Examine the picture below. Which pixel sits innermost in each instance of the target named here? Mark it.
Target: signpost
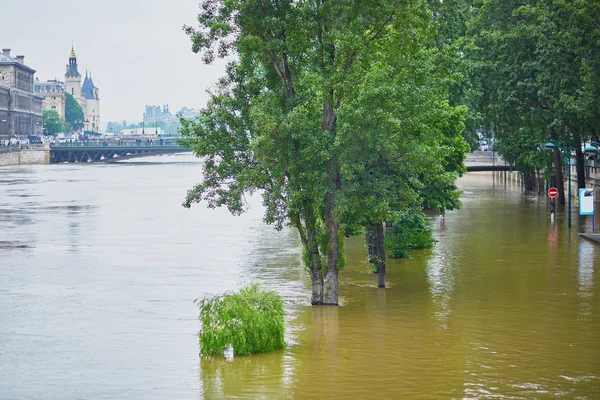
(553, 194)
(586, 205)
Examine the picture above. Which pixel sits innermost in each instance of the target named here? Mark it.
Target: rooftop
(5, 58)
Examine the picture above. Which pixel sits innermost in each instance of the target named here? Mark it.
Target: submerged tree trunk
(316, 278)
(376, 249)
(332, 227)
(380, 241)
(332, 253)
(528, 181)
(558, 173)
(371, 247)
(312, 256)
(579, 165)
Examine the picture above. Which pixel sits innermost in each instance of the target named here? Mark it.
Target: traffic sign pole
(553, 194)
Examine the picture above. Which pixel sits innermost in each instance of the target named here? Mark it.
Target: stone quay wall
(25, 155)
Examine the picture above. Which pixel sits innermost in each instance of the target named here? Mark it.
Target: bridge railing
(484, 157)
(143, 143)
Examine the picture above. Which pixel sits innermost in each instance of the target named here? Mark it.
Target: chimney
(6, 52)
(21, 59)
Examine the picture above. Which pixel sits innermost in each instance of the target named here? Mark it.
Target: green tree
(309, 114)
(115, 127)
(73, 112)
(52, 122)
(536, 73)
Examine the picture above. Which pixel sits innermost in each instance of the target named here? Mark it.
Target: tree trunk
(528, 181)
(370, 233)
(579, 165)
(558, 173)
(376, 248)
(334, 241)
(312, 248)
(330, 282)
(317, 285)
(380, 244)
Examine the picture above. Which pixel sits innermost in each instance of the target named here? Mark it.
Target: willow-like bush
(251, 320)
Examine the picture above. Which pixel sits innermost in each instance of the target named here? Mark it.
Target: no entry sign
(553, 193)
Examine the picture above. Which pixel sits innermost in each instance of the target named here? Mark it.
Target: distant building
(20, 108)
(86, 94)
(155, 113)
(188, 112)
(141, 131)
(53, 92)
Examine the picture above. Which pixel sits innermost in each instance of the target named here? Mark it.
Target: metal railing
(143, 143)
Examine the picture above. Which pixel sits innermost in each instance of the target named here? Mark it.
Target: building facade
(155, 113)
(86, 94)
(53, 92)
(20, 107)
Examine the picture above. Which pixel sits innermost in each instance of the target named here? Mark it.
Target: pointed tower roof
(72, 66)
(87, 89)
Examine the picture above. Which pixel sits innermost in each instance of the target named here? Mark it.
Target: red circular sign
(553, 193)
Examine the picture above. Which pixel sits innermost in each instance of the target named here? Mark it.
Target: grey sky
(136, 50)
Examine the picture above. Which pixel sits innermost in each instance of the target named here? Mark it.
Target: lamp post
(551, 145)
(2, 130)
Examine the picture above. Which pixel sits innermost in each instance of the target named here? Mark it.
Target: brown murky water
(100, 264)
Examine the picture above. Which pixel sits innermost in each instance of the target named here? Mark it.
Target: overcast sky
(136, 50)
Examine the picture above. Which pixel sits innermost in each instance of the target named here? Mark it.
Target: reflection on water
(100, 266)
(440, 278)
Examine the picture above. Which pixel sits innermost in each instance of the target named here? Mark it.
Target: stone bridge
(485, 161)
(104, 151)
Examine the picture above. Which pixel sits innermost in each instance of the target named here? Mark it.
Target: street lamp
(551, 145)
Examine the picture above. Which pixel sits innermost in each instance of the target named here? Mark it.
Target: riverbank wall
(26, 154)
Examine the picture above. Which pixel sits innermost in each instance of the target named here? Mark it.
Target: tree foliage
(73, 112)
(535, 67)
(251, 321)
(336, 111)
(52, 122)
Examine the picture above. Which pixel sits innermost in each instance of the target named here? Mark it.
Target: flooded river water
(100, 264)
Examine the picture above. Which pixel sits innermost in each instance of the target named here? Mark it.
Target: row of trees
(338, 112)
(532, 71)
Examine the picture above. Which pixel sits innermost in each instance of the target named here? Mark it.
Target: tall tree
(293, 119)
(73, 112)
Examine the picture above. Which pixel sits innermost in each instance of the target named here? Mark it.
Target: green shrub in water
(250, 320)
(411, 231)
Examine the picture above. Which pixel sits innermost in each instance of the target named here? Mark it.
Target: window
(53, 98)
(54, 107)
(72, 91)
